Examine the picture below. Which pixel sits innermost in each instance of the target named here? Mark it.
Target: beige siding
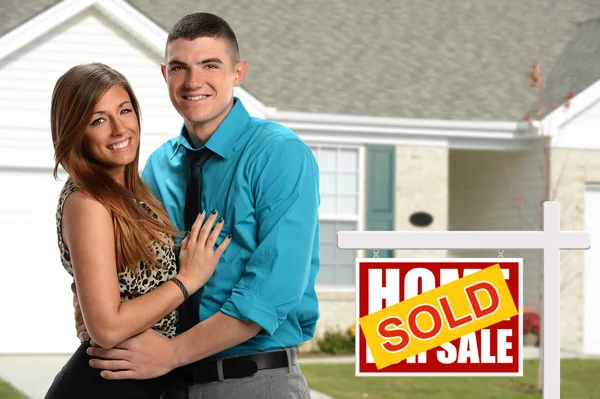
(571, 171)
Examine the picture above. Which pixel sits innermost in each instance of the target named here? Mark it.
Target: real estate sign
(439, 317)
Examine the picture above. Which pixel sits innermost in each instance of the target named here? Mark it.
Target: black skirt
(78, 380)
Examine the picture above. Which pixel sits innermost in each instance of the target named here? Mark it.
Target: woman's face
(113, 132)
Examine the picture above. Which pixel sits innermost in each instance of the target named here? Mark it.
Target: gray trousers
(280, 383)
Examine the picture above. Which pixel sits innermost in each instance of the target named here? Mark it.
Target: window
(341, 209)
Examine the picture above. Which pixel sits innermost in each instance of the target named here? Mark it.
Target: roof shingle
(442, 59)
(577, 68)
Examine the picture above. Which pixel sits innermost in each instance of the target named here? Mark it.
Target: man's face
(200, 76)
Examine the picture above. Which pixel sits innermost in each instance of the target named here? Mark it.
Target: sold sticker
(438, 316)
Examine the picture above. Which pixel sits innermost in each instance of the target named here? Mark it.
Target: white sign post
(550, 239)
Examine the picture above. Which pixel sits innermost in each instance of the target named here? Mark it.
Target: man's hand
(144, 356)
(80, 327)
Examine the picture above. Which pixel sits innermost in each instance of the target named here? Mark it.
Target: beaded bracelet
(181, 287)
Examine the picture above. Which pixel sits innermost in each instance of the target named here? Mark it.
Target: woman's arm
(88, 233)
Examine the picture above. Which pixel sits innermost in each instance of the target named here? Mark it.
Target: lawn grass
(8, 392)
(580, 379)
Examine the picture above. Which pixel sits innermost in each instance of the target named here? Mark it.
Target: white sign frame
(551, 240)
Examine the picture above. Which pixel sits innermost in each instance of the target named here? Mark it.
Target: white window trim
(359, 218)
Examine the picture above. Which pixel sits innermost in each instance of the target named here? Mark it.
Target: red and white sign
(492, 351)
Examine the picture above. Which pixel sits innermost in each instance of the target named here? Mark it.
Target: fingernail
(220, 220)
(229, 235)
(202, 211)
(88, 350)
(214, 211)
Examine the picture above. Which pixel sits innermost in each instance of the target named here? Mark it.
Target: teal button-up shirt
(264, 181)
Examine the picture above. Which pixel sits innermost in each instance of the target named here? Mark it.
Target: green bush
(336, 342)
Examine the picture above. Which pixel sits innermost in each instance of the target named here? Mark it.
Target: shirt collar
(222, 140)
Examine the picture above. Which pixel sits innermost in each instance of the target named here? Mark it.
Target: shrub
(336, 342)
(531, 323)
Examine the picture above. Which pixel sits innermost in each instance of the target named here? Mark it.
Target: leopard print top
(130, 285)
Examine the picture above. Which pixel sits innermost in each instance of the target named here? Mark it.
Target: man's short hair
(203, 24)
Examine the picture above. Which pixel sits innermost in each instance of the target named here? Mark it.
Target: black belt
(205, 371)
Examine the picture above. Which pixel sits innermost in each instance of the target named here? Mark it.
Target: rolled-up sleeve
(278, 271)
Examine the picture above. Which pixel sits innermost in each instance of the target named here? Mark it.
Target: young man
(264, 181)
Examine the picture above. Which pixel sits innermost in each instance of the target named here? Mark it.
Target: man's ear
(239, 72)
(163, 70)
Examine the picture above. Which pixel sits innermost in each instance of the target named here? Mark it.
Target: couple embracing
(196, 279)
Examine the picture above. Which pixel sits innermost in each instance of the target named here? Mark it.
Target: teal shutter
(381, 189)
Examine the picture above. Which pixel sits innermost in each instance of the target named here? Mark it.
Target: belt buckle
(195, 372)
(238, 368)
(197, 375)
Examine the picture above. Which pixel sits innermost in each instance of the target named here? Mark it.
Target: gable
(579, 125)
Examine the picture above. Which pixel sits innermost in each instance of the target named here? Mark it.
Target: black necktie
(190, 309)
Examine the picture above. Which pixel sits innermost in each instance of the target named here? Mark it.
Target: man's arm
(150, 354)
(213, 335)
(277, 273)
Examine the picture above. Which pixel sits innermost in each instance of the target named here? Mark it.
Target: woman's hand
(197, 257)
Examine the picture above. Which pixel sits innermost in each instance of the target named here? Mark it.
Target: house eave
(494, 135)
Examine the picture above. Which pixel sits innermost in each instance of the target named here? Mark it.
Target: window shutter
(381, 191)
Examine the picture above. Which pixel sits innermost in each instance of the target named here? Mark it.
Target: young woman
(114, 237)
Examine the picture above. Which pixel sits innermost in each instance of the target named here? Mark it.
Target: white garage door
(591, 280)
(36, 311)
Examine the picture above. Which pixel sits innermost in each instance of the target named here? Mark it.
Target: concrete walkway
(33, 374)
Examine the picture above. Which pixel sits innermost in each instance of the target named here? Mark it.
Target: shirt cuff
(244, 304)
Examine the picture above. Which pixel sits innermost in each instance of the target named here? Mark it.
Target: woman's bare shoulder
(80, 206)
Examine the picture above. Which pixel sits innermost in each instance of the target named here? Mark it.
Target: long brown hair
(73, 100)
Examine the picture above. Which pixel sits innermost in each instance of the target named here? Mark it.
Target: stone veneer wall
(570, 171)
(421, 185)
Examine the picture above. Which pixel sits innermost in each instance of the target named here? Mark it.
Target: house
(409, 107)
